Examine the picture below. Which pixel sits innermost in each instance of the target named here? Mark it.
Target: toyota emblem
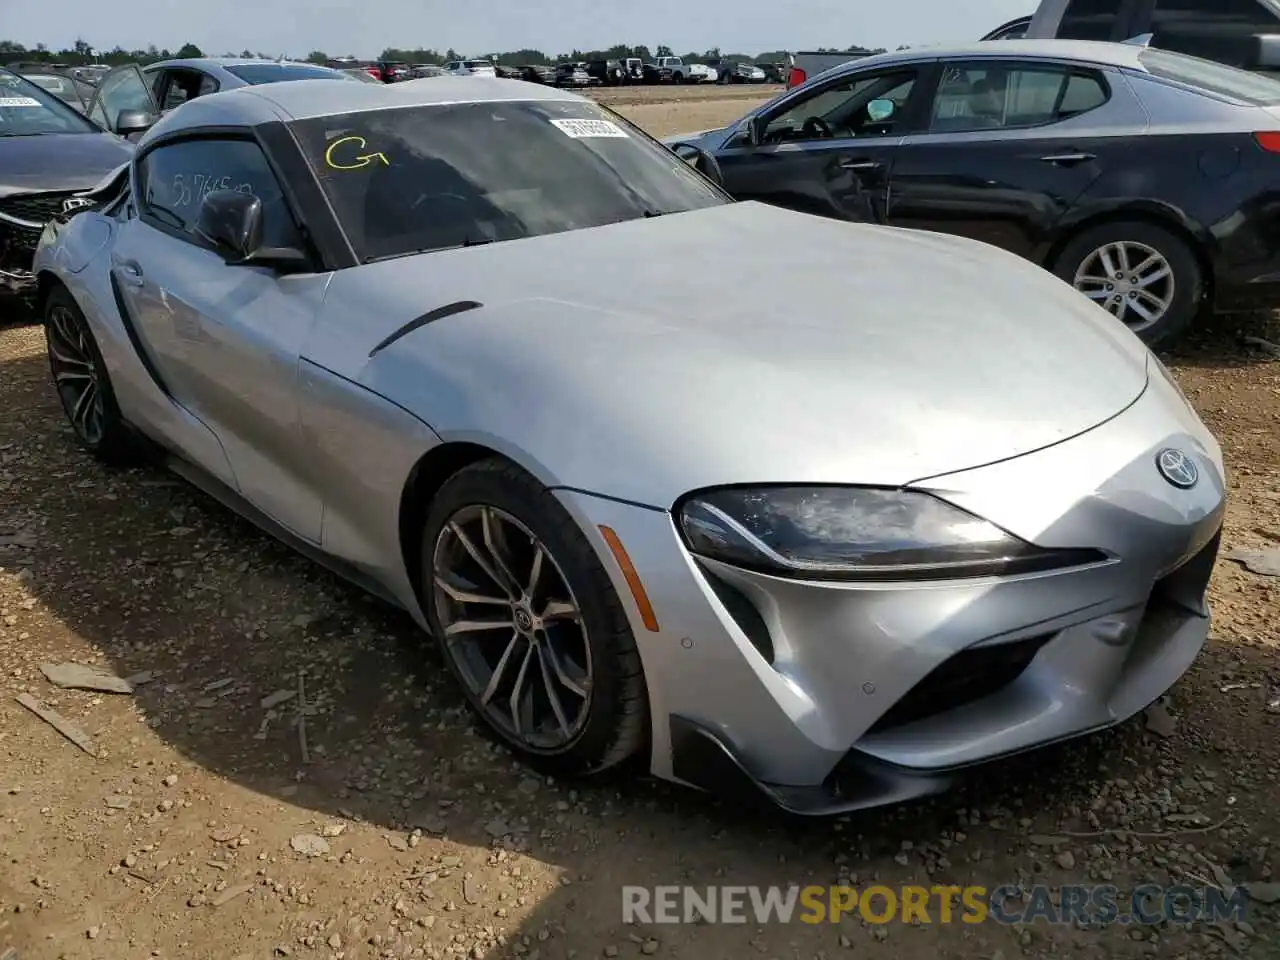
(1177, 468)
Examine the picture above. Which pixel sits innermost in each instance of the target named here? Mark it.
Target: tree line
(82, 53)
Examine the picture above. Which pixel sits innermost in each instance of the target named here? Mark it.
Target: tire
(76, 367)
(1183, 291)
(677, 78)
(612, 721)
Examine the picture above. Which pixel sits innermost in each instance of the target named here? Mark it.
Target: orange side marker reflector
(632, 578)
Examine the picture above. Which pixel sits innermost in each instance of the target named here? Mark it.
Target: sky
(473, 27)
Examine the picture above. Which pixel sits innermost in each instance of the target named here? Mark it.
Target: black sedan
(1147, 179)
(48, 153)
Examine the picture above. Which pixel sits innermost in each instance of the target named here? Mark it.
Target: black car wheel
(1147, 277)
(529, 623)
(81, 380)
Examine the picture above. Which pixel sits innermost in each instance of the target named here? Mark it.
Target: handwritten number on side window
(200, 185)
(343, 154)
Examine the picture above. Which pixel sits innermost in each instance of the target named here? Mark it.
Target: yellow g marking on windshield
(361, 160)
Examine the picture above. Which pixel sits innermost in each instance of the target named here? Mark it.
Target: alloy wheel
(1133, 281)
(75, 374)
(512, 628)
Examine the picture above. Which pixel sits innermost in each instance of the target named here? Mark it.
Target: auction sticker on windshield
(581, 129)
(18, 102)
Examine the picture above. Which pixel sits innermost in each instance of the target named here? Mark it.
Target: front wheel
(83, 385)
(529, 623)
(1144, 275)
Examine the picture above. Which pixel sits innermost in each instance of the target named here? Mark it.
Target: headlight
(857, 533)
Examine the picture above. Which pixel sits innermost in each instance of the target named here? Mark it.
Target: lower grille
(968, 676)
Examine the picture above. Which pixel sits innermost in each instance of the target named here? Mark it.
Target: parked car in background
(808, 64)
(575, 75)
(507, 73)
(1239, 33)
(63, 85)
(741, 71)
(538, 73)
(160, 87)
(49, 152)
(1144, 178)
(392, 71)
(774, 72)
(362, 74)
(470, 68)
(670, 70)
(635, 70)
(879, 462)
(609, 73)
(701, 73)
(421, 70)
(90, 73)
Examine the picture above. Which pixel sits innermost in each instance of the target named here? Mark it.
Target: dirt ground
(204, 828)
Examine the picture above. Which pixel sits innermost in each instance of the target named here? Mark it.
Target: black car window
(26, 110)
(121, 90)
(841, 110)
(1214, 29)
(176, 178)
(425, 178)
(980, 96)
(1089, 20)
(255, 73)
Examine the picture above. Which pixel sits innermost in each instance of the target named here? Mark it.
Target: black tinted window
(1216, 78)
(1219, 30)
(175, 179)
(426, 178)
(274, 72)
(1089, 20)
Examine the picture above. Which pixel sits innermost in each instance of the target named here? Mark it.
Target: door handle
(1068, 159)
(860, 165)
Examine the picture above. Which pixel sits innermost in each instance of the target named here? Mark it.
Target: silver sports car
(798, 524)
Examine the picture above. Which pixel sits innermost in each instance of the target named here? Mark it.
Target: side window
(120, 91)
(986, 97)
(1089, 20)
(176, 178)
(1213, 29)
(861, 106)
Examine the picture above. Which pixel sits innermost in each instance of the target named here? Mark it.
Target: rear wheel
(1144, 275)
(529, 623)
(83, 385)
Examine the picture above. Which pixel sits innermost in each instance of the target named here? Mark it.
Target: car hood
(59, 161)
(634, 361)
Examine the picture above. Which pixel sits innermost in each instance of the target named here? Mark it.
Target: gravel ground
(206, 826)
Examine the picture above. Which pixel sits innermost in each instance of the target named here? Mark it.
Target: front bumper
(836, 696)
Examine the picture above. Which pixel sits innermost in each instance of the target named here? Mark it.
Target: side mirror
(130, 122)
(881, 110)
(700, 160)
(754, 126)
(231, 222)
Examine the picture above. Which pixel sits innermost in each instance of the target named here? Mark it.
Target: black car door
(1009, 147)
(827, 149)
(123, 89)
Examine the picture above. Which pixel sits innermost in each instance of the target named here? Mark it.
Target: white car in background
(701, 73)
(471, 68)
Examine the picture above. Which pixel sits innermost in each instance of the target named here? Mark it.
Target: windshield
(1251, 88)
(256, 73)
(414, 179)
(27, 111)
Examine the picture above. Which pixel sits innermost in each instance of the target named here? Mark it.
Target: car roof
(301, 99)
(206, 63)
(1097, 52)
